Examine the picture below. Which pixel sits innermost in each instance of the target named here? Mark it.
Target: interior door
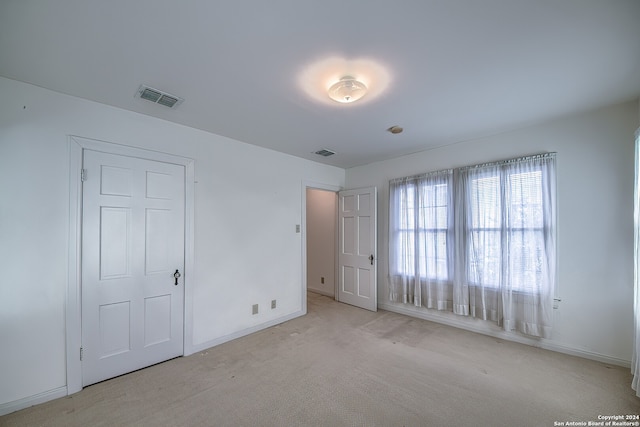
(133, 226)
(357, 219)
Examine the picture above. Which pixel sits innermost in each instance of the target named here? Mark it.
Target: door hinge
(81, 354)
(83, 175)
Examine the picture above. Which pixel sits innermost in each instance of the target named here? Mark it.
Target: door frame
(73, 324)
(313, 186)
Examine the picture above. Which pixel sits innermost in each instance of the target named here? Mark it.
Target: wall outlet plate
(255, 309)
(273, 304)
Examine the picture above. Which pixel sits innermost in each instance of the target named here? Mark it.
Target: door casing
(318, 186)
(77, 145)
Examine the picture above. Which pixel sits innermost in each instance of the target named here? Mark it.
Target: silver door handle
(176, 276)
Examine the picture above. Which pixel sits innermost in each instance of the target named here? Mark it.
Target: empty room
(410, 213)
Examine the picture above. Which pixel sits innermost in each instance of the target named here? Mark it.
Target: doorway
(321, 232)
(339, 245)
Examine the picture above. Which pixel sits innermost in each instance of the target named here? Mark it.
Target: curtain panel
(478, 241)
(635, 357)
(421, 237)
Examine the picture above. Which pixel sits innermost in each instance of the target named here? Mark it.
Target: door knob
(176, 275)
(371, 258)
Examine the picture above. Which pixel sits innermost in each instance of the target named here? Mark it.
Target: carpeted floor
(343, 366)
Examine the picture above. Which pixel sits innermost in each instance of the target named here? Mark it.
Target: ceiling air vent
(326, 153)
(158, 96)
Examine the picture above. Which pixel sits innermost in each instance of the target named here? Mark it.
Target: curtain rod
(422, 175)
(540, 156)
(550, 155)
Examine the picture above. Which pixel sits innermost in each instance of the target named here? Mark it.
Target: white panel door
(132, 243)
(357, 248)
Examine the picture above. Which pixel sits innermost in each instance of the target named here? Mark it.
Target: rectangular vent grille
(326, 153)
(158, 97)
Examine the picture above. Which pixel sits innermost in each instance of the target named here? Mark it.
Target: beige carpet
(343, 366)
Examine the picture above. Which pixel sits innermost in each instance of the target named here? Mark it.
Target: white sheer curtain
(635, 358)
(505, 235)
(478, 241)
(421, 233)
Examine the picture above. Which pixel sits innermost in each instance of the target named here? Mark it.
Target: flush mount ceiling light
(328, 80)
(347, 90)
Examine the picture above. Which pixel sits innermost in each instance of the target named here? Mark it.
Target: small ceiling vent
(326, 153)
(158, 96)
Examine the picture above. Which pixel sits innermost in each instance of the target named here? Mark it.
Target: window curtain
(421, 232)
(505, 241)
(478, 241)
(635, 358)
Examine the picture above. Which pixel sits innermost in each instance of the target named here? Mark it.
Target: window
(506, 212)
(493, 248)
(434, 229)
(484, 231)
(423, 226)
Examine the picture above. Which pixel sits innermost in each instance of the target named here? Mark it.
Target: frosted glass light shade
(347, 90)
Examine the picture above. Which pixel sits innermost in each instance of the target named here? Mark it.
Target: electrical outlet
(322, 280)
(255, 308)
(273, 304)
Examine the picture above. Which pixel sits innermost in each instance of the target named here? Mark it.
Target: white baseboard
(212, 343)
(472, 326)
(321, 292)
(16, 405)
(609, 360)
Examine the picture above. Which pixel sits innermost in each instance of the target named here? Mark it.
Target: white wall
(595, 170)
(248, 201)
(321, 240)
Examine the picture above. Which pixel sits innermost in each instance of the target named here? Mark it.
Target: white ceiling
(458, 69)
